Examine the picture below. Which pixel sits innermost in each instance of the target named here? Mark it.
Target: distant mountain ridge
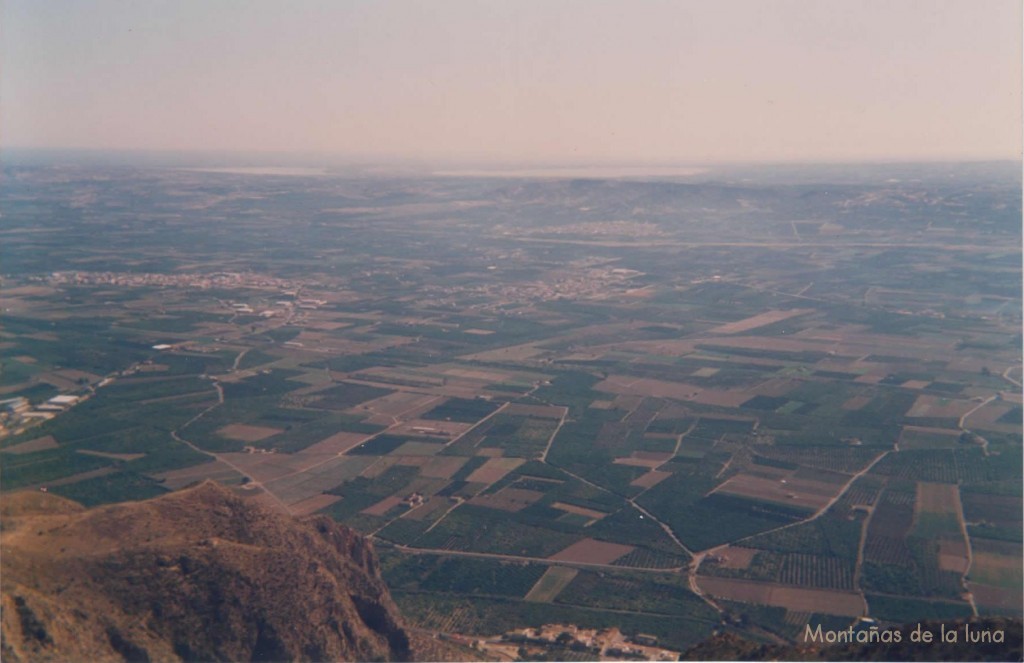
(200, 574)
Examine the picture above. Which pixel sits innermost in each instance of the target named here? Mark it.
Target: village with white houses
(568, 642)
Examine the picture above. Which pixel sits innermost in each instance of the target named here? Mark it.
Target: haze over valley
(511, 331)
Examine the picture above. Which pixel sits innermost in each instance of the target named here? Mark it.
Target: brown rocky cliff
(201, 574)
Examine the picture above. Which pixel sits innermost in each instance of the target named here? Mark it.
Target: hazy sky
(641, 81)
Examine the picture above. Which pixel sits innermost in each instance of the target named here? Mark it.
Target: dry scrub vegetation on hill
(200, 574)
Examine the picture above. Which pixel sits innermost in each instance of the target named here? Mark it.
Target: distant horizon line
(264, 157)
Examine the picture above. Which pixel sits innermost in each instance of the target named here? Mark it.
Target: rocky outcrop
(201, 574)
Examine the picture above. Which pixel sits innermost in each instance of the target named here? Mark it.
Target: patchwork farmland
(539, 425)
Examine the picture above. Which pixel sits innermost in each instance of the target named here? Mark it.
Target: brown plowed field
(797, 492)
(539, 411)
(919, 437)
(953, 555)
(592, 552)
(651, 479)
(798, 599)
(987, 418)
(578, 510)
(337, 443)
(494, 469)
(442, 467)
(722, 398)
(998, 564)
(261, 467)
(400, 402)
(938, 407)
(995, 597)
(510, 499)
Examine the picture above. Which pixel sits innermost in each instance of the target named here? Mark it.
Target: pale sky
(544, 81)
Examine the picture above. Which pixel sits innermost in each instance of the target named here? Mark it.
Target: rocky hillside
(200, 574)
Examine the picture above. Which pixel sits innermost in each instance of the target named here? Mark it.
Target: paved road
(524, 558)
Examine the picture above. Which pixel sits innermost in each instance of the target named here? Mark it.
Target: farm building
(63, 401)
